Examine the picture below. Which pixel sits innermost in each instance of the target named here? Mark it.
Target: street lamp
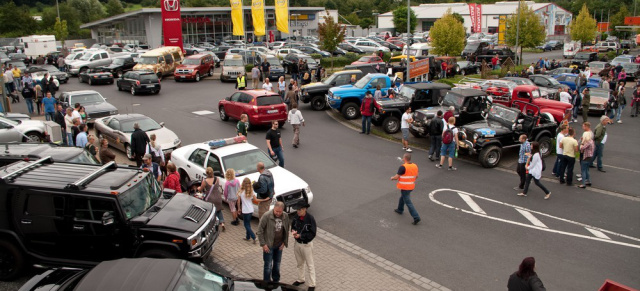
(407, 45)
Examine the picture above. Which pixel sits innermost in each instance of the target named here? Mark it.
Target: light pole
(518, 33)
(407, 44)
(58, 8)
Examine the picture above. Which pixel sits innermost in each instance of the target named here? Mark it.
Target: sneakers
(453, 169)
(431, 158)
(438, 166)
(546, 197)
(404, 149)
(409, 150)
(415, 221)
(522, 194)
(619, 121)
(397, 211)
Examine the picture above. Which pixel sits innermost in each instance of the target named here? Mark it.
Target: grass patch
(132, 7)
(532, 50)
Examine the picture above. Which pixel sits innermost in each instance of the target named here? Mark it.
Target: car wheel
(210, 72)
(545, 146)
(350, 111)
(158, 254)
(12, 261)
(490, 156)
(197, 77)
(79, 78)
(33, 137)
(90, 82)
(128, 152)
(223, 114)
(318, 103)
(391, 124)
(133, 90)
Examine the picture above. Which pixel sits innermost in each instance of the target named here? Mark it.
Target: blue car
(570, 80)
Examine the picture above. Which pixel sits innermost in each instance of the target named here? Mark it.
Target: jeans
(64, 135)
(567, 165)
(17, 84)
(219, 216)
(443, 74)
(522, 172)
(405, 198)
(536, 181)
(584, 169)
(246, 219)
(575, 111)
(280, 154)
(619, 111)
(272, 264)
(49, 116)
(597, 155)
(436, 144)
(366, 124)
(635, 109)
(556, 166)
(70, 139)
(29, 102)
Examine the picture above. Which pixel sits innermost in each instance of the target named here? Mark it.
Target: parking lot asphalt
(455, 246)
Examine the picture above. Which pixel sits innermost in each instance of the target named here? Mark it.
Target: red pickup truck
(531, 94)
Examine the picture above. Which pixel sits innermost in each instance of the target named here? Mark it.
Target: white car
(192, 161)
(370, 46)
(285, 51)
(22, 130)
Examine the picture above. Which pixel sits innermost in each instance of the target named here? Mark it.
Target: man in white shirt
(404, 126)
(586, 73)
(267, 85)
(564, 130)
(565, 96)
(295, 118)
(76, 112)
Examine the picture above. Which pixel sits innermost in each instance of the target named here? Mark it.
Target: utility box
(54, 131)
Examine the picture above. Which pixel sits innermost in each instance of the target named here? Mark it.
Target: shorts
(405, 133)
(232, 205)
(448, 150)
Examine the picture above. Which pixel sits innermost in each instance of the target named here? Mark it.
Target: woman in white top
(282, 87)
(534, 166)
(156, 152)
(267, 85)
(246, 197)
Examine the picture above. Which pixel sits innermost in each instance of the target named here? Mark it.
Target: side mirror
(369, 86)
(107, 218)
(162, 124)
(333, 83)
(228, 98)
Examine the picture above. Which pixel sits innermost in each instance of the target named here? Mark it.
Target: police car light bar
(218, 143)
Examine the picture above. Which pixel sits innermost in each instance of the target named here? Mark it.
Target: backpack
(435, 127)
(447, 136)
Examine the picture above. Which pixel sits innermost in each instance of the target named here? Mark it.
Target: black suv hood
(178, 212)
(317, 86)
(487, 128)
(99, 107)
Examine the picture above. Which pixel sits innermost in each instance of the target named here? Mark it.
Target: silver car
(22, 130)
(117, 129)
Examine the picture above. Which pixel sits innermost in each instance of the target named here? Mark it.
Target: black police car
(75, 215)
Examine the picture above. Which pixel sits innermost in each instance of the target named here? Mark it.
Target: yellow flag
(282, 15)
(257, 14)
(236, 17)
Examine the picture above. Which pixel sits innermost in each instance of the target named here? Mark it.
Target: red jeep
(195, 67)
(531, 94)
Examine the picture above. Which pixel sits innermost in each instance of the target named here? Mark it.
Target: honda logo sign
(171, 5)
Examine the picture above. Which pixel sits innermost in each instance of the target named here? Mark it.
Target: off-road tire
(350, 111)
(489, 156)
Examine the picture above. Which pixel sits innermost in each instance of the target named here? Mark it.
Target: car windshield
(87, 98)
(86, 57)
(191, 62)
(553, 81)
(407, 92)
(472, 46)
(363, 82)
(148, 60)
(454, 100)
(233, 63)
(364, 59)
(309, 60)
(245, 162)
(118, 61)
(503, 113)
(197, 278)
(146, 124)
(50, 68)
(140, 197)
(84, 158)
(522, 81)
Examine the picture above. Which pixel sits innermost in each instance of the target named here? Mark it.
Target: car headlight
(475, 137)
(113, 112)
(176, 141)
(308, 189)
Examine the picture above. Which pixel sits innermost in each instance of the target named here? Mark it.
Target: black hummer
(14, 152)
(502, 129)
(416, 96)
(54, 213)
(316, 92)
(469, 105)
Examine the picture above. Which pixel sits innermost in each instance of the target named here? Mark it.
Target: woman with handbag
(246, 196)
(213, 193)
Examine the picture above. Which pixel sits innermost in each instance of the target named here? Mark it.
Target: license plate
(182, 77)
(104, 77)
(149, 86)
(272, 111)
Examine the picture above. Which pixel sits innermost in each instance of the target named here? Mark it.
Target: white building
(555, 19)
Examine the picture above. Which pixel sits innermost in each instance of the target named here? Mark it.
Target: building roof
(499, 8)
(185, 10)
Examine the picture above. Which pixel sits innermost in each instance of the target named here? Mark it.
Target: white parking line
(531, 218)
(599, 234)
(202, 112)
(471, 203)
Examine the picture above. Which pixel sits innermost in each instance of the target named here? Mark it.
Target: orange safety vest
(408, 180)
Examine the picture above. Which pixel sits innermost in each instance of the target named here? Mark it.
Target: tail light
(137, 83)
(255, 108)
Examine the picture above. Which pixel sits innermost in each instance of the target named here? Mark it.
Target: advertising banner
(419, 68)
(257, 14)
(171, 23)
(502, 28)
(282, 15)
(237, 18)
(478, 14)
(472, 15)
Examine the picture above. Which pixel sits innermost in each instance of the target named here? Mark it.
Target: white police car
(192, 161)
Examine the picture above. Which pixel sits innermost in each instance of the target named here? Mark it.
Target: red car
(194, 68)
(261, 106)
(368, 60)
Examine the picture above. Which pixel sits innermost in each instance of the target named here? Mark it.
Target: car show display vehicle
(523, 94)
(22, 130)
(468, 105)
(235, 153)
(195, 67)
(117, 130)
(74, 215)
(232, 67)
(95, 76)
(347, 98)
(90, 60)
(120, 65)
(415, 96)
(570, 81)
(139, 82)
(14, 152)
(94, 104)
(52, 70)
(546, 81)
(582, 59)
(316, 92)
(369, 60)
(599, 100)
(502, 127)
(161, 61)
(260, 106)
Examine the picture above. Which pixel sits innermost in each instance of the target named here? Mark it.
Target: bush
(611, 55)
(316, 56)
(248, 67)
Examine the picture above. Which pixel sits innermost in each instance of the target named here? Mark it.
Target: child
(245, 198)
(231, 193)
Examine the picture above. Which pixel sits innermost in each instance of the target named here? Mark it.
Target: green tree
(89, 10)
(330, 34)
(60, 30)
(400, 19)
(68, 14)
(447, 35)
(618, 20)
(458, 17)
(531, 33)
(583, 28)
(114, 7)
(352, 19)
(366, 23)
(16, 21)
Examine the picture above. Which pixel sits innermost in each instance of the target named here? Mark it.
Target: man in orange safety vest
(406, 177)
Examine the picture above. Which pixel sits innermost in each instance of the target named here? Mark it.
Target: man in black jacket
(303, 229)
(139, 141)
(59, 119)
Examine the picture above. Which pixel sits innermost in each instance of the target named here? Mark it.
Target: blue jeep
(348, 98)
